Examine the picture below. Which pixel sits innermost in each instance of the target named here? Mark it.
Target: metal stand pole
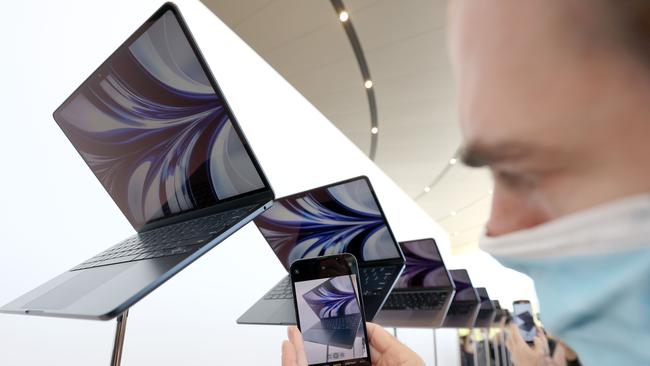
(486, 346)
(497, 354)
(475, 343)
(435, 349)
(118, 343)
(504, 355)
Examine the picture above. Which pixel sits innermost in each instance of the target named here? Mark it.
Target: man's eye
(516, 180)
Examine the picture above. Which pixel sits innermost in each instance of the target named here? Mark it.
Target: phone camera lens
(296, 271)
(322, 268)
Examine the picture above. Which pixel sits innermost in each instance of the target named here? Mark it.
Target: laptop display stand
(435, 348)
(118, 343)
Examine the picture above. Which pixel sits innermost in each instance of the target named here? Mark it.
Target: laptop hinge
(257, 198)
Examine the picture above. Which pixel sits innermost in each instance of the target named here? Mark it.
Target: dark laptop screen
(341, 218)
(464, 289)
(486, 304)
(155, 132)
(424, 266)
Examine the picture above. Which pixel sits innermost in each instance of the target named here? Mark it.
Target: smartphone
(329, 310)
(523, 317)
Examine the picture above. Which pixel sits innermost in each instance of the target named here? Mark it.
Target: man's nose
(514, 210)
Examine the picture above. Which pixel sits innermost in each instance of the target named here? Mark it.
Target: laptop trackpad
(71, 290)
(285, 314)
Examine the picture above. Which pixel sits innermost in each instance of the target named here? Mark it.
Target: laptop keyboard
(373, 282)
(281, 291)
(346, 322)
(461, 308)
(181, 238)
(415, 301)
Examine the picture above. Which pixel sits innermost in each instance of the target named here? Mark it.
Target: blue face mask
(592, 275)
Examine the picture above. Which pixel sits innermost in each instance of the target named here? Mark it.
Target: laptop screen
(333, 298)
(424, 266)
(340, 218)
(152, 128)
(464, 289)
(486, 304)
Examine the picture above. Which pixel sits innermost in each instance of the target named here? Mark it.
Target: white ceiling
(405, 46)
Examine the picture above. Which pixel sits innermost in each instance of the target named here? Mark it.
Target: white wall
(55, 214)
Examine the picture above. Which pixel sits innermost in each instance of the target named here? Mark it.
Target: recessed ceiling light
(368, 84)
(453, 213)
(344, 16)
(374, 130)
(427, 189)
(453, 161)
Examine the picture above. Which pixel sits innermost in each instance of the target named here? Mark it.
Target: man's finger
(538, 346)
(288, 354)
(516, 337)
(541, 342)
(559, 356)
(379, 338)
(296, 340)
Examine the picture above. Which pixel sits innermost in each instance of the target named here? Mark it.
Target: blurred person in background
(542, 352)
(554, 98)
(467, 349)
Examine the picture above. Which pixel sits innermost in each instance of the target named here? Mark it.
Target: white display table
(55, 214)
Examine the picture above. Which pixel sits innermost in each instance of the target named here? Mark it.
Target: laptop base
(416, 318)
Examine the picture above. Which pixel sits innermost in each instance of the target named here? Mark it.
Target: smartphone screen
(523, 317)
(329, 310)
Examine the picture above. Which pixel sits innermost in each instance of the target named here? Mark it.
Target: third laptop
(423, 292)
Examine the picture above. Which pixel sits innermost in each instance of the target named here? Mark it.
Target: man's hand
(385, 350)
(539, 354)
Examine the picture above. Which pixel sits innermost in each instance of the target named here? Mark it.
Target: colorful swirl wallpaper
(333, 298)
(154, 132)
(339, 219)
(424, 266)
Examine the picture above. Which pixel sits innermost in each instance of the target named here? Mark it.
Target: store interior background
(417, 137)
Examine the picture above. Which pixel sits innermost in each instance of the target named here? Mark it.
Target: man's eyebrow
(477, 155)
